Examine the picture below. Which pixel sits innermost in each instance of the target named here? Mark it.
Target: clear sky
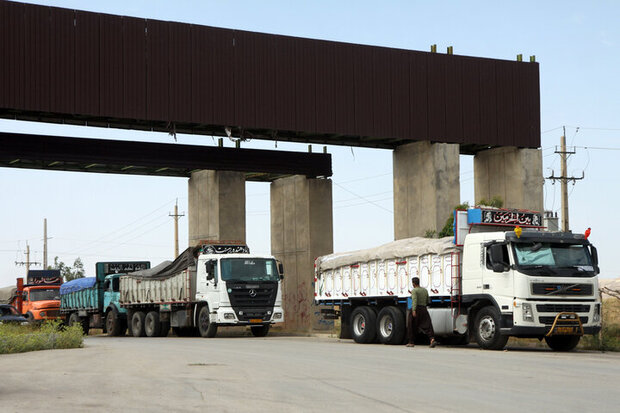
(101, 217)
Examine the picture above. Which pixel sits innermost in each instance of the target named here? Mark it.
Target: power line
(361, 197)
(85, 247)
(598, 148)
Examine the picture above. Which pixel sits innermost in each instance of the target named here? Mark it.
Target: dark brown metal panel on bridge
(157, 159)
(85, 68)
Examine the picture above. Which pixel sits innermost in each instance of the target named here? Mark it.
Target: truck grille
(559, 289)
(52, 313)
(550, 320)
(560, 308)
(254, 295)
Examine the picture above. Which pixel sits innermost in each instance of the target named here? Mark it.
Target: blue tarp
(78, 284)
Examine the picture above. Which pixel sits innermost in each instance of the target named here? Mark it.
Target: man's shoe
(410, 345)
(433, 343)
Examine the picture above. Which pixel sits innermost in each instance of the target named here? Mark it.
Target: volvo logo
(252, 293)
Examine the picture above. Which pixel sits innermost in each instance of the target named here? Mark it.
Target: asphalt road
(289, 374)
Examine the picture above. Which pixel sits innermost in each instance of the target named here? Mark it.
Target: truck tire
(137, 324)
(75, 319)
(363, 324)
(260, 331)
(205, 326)
(562, 343)
(152, 327)
(487, 329)
(390, 325)
(113, 325)
(29, 317)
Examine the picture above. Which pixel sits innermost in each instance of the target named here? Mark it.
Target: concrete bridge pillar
(301, 230)
(511, 173)
(216, 206)
(426, 187)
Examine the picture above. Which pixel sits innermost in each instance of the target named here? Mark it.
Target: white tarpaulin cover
(408, 247)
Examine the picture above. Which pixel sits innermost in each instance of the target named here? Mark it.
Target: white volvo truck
(209, 286)
(500, 276)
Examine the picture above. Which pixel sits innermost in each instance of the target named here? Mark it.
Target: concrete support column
(511, 173)
(301, 230)
(426, 187)
(216, 207)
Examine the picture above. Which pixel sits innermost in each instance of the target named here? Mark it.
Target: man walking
(418, 318)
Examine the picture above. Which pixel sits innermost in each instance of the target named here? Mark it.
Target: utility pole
(564, 154)
(176, 227)
(27, 263)
(45, 243)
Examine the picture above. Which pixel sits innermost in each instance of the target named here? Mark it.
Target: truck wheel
(562, 343)
(205, 326)
(390, 325)
(151, 324)
(29, 317)
(487, 329)
(75, 319)
(112, 324)
(137, 324)
(363, 321)
(260, 331)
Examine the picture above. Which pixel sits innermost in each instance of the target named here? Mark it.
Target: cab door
(497, 277)
(212, 283)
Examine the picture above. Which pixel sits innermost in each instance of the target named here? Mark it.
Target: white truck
(494, 280)
(212, 285)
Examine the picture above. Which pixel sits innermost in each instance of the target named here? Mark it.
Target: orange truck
(39, 298)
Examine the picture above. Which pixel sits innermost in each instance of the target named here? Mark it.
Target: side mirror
(498, 267)
(594, 259)
(280, 269)
(210, 268)
(496, 254)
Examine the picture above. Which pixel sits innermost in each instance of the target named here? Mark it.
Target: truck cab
(241, 290)
(111, 294)
(532, 284)
(41, 302)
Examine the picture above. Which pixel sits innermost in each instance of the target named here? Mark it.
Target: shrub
(49, 335)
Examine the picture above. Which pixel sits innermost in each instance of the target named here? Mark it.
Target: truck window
(553, 255)
(116, 282)
(45, 294)
(504, 257)
(249, 269)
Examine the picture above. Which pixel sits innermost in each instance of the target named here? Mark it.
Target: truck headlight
(277, 315)
(42, 313)
(597, 313)
(527, 312)
(229, 316)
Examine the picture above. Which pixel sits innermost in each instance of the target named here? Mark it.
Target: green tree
(67, 272)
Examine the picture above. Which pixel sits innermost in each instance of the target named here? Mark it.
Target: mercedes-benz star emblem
(252, 293)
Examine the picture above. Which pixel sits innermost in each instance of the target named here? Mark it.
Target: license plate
(565, 330)
(164, 307)
(256, 320)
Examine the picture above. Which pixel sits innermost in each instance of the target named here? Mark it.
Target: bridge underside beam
(159, 159)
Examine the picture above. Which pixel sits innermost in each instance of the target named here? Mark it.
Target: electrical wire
(361, 197)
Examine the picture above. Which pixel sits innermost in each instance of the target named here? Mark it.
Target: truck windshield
(45, 294)
(540, 258)
(249, 269)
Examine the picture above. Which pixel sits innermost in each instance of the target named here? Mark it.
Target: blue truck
(93, 302)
